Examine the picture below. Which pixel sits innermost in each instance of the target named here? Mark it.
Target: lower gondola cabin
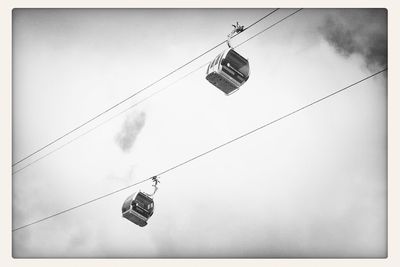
(138, 208)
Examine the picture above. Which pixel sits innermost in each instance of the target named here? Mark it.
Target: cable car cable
(284, 18)
(269, 27)
(208, 151)
(131, 96)
(113, 117)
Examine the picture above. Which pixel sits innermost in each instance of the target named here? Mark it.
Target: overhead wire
(90, 130)
(210, 150)
(109, 119)
(269, 27)
(134, 94)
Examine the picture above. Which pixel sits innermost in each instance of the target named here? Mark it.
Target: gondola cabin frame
(138, 208)
(228, 71)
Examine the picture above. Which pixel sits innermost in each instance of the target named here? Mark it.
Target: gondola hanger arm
(156, 181)
(236, 29)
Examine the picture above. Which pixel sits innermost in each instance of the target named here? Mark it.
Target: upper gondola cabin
(228, 71)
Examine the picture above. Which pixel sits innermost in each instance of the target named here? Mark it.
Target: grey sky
(130, 130)
(349, 33)
(313, 185)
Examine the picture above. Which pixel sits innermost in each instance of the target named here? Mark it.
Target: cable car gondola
(138, 208)
(229, 70)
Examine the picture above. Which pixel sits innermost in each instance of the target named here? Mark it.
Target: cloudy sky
(311, 185)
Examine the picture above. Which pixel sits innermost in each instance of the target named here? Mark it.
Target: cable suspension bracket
(155, 181)
(236, 29)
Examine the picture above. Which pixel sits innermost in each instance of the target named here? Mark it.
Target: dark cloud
(130, 129)
(358, 31)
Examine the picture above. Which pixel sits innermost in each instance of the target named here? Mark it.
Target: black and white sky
(312, 185)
